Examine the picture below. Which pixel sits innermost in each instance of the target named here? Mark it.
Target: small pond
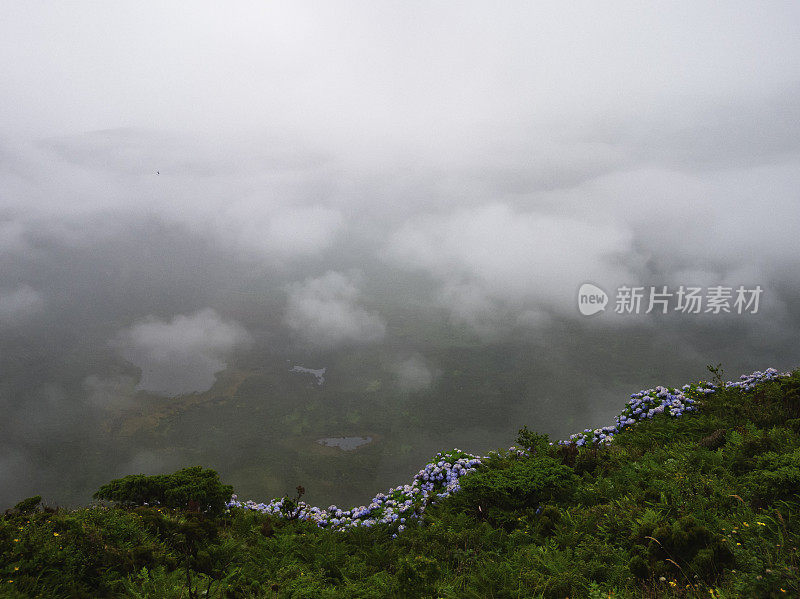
(345, 443)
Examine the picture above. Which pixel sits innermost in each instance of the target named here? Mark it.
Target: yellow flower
(16, 568)
(55, 534)
(760, 523)
(16, 540)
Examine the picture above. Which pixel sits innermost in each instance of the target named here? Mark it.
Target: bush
(28, 506)
(776, 476)
(417, 575)
(687, 542)
(523, 484)
(532, 440)
(193, 488)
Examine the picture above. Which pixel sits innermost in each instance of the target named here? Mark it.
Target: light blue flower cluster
(400, 505)
(748, 382)
(672, 401)
(440, 478)
(642, 406)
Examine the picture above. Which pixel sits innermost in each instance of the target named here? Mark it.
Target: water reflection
(319, 373)
(345, 443)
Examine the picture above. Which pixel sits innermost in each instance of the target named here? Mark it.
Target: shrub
(713, 441)
(790, 388)
(776, 476)
(532, 440)
(28, 506)
(686, 542)
(522, 484)
(417, 575)
(194, 488)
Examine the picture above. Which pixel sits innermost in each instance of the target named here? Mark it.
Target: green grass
(699, 506)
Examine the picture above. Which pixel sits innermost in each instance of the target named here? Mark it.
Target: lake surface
(319, 373)
(345, 443)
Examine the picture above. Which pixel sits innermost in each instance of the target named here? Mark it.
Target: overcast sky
(505, 153)
(162, 164)
(474, 139)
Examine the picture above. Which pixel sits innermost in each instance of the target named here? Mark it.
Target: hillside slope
(692, 492)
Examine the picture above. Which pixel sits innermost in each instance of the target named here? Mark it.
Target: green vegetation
(705, 505)
(194, 489)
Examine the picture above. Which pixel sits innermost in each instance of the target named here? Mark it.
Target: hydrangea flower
(648, 403)
(440, 478)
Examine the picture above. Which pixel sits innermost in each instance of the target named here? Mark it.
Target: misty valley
(412, 261)
(343, 423)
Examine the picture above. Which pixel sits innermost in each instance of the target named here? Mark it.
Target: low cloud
(280, 233)
(414, 374)
(110, 391)
(17, 474)
(492, 255)
(12, 236)
(182, 355)
(534, 319)
(324, 312)
(18, 304)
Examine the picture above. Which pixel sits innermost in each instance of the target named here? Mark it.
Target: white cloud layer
(109, 392)
(324, 312)
(183, 354)
(279, 234)
(19, 304)
(414, 373)
(494, 252)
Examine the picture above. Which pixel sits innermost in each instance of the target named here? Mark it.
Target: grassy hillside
(693, 492)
